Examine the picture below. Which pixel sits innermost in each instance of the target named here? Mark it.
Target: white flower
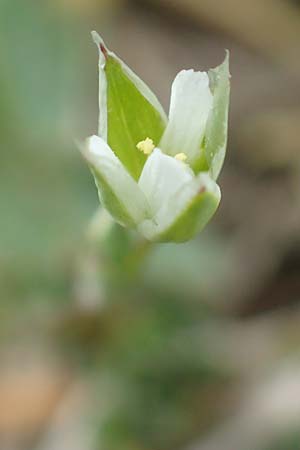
(157, 174)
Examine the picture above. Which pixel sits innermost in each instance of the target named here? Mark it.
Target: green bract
(153, 173)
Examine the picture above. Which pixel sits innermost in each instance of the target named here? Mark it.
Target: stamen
(146, 146)
(181, 157)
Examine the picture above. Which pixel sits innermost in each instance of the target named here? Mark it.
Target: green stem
(112, 258)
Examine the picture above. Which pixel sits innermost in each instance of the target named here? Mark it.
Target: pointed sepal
(217, 124)
(129, 111)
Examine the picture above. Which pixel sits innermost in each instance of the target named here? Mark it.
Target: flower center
(146, 146)
(181, 157)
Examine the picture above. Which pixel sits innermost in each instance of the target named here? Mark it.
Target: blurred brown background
(202, 351)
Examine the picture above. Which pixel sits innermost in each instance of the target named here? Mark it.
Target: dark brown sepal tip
(103, 50)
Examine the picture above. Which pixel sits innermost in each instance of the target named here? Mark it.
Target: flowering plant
(153, 173)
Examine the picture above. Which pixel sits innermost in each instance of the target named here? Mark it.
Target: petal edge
(118, 191)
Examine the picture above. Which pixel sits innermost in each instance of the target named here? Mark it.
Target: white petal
(191, 102)
(162, 175)
(177, 203)
(113, 176)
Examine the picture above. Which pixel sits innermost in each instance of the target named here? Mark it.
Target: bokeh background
(199, 350)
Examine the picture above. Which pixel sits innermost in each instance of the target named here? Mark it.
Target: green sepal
(111, 202)
(193, 219)
(130, 118)
(215, 140)
(129, 111)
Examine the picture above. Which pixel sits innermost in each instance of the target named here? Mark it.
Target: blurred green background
(199, 350)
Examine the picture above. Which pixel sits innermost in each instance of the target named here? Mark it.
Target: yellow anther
(146, 146)
(181, 157)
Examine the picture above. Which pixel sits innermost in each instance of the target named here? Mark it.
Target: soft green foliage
(45, 195)
(287, 441)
